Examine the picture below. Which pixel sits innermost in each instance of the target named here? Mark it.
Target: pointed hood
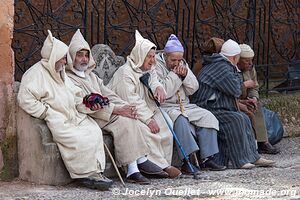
(78, 43)
(139, 52)
(52, 51)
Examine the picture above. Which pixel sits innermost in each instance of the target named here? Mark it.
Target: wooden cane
(114, 164)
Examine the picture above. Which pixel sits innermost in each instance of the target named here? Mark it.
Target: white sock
(132, 168)
(141, 160)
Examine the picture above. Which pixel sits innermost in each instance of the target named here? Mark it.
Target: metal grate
(271, 27)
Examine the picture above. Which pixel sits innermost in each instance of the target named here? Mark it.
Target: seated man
(219, 88)
(47, 93)
(119, 118)
(126, 83)
(180, 82)
(249, 103)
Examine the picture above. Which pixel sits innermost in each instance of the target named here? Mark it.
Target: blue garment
(204, 139)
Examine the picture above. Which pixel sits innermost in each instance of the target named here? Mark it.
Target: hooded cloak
(129, 141)
(127, 85)
(50, 95)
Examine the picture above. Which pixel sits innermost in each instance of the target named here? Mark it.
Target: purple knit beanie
(173, 45)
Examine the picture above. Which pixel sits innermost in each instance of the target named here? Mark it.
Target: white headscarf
(139, 51)
(78, 43)
(52, 51)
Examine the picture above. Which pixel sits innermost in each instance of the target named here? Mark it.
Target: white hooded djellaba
(127, 85)
(129, 140)
(50, 95)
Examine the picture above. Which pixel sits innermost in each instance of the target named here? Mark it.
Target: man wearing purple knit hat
(195, 127)
(173, 45)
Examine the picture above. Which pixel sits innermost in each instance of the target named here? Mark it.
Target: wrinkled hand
(160, 94)
(249, 104)
(95, 107)
(153, 126)
(254, 102)
(126, 111)
(243, 107)
(249, 84)
(180, 70)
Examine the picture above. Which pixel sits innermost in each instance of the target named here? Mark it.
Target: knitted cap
(246, 51)
(230, 48)
(173, 45)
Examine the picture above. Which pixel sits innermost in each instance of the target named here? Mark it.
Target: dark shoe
(212, 166)
(267, 148)
(97, 181)
(149, 168)
(187, 170)
(138, 178)
(173, 172)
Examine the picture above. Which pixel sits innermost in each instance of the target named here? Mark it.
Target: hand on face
(160, 94)
(174, 62)
(180, 70)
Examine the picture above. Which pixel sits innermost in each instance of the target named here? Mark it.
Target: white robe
(51, 96)
(128, 137)
(127, 85)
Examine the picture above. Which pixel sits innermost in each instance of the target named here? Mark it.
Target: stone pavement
(279, 182)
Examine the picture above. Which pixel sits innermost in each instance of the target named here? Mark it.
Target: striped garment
(219, 86)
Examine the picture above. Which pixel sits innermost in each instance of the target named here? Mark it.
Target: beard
(81, 67)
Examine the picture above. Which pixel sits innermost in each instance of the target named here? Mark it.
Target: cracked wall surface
(7, 111)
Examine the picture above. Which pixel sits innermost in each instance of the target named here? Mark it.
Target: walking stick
(114, 164)
(145, 81)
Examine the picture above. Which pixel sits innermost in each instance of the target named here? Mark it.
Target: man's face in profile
(149, 60)
(245, 64)
(59, 65)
